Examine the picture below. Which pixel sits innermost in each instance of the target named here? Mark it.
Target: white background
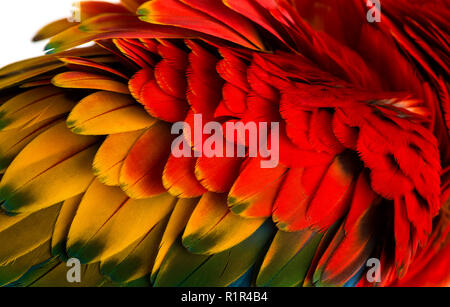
(19, 22)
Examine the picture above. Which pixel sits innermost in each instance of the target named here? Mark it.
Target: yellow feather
(34, 106)
(69, 38)
(212, 228)
(97, 231)
(53, 28)
(28, 234)
(62, 225)
(17, 72)
(10, 79)
(107, 113)
(21, 265)
(111, 155)
(136, 260)
(177, 222)
(78, 79)
(137, 217)
(57, 277)
(7, 221)
(55, 166)
(288, 259)
(98, 204)
(13, 141)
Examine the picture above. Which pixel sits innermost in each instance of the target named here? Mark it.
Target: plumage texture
(364, 147)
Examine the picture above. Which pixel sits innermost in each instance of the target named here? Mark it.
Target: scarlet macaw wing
(360, 152)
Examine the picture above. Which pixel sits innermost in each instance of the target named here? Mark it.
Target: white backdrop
(21, 19)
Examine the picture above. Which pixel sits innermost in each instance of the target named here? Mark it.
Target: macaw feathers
(88, 172)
